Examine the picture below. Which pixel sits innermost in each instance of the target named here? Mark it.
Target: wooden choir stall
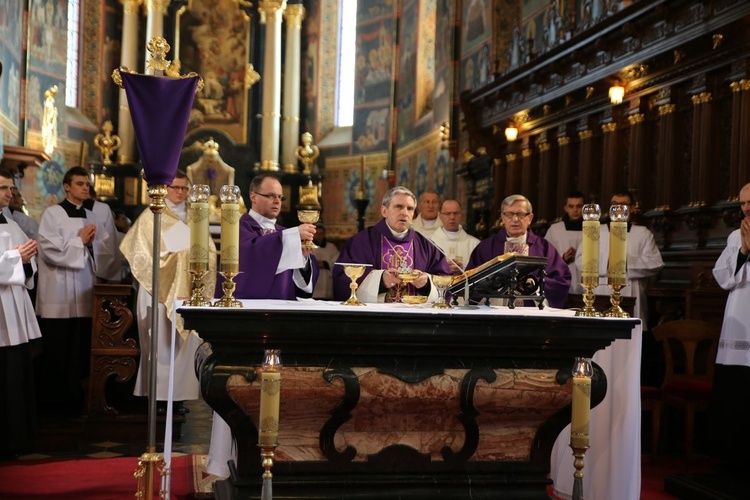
(397, 401)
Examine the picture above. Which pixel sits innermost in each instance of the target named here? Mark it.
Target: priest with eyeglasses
(517, 214)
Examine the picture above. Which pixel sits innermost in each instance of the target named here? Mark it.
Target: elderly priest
(391, 247)
(517, 215)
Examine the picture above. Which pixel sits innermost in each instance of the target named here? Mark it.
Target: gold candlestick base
(267, 453)
(228, 286)
(197, 286)
(579, 452)
(149, 463)
(588, 302)
(616, 311)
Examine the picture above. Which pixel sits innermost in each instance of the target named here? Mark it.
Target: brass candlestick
(267, 452)
(579, 452)
(615, 311)
(588, 301)
(197, 271)
(228, 286)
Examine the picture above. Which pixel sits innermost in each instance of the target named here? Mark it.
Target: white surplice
(562, 239)
(734, 345)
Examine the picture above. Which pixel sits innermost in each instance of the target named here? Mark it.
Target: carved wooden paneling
(112, 353)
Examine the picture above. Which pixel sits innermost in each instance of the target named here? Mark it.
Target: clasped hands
(745, 235)
(27, 250)
(391, 279)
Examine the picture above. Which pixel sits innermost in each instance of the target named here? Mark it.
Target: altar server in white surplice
(67, 273)
(566, 234)
(644, 261)
(730, 405)
(106, 252)
(18, 326)
(451, 237)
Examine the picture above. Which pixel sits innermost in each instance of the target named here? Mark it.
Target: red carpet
(84, 479)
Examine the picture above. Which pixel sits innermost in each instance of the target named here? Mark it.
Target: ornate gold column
(271, 12)
(294, 14)
(129, 59)
(528, 174)
(155, 12)
(739, 170)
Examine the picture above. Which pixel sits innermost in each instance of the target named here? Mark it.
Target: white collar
(264, 222)
(395, 234)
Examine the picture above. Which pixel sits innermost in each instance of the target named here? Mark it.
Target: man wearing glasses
(274, 266)
(517, 214)
(272, 261)
(137, 248)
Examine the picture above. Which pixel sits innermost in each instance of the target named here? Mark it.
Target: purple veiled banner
(160, 108)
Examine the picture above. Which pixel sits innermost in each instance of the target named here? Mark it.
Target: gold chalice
(442, 282)
(354, 271)
(309, 217)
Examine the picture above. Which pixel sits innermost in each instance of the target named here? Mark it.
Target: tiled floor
(65, 438)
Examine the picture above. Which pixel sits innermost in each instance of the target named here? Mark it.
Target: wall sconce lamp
(511, 133)
(616, 93)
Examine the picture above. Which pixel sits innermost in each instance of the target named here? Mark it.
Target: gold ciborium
(354, 271)
(309, 217)
(408, 276)
(442, 282)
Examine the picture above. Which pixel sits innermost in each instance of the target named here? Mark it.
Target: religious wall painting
(37, 84)
(425, 64)
(374, 60)
(214, 40)
(444, 34)
(475, 29)
(404, 174)
(48, 35)
(442, 164)
(370, 9)
(10, 90)
(477, 69)
(371, 129)
(49, 182)
(421, 177)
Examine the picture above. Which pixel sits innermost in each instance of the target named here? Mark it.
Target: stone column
(129, 59)
(155, 10)
(271, 11)
(294, 14)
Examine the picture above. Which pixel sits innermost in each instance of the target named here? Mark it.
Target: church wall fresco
(11, 25)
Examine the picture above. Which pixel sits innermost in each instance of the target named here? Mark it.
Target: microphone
(467, 304)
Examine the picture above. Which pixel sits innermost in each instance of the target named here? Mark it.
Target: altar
(397, 401)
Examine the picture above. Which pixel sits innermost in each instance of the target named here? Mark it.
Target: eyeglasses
(451, 214)
(272, 196)
(184, 189)
(517, 215)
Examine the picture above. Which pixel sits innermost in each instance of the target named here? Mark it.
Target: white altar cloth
(612, 468)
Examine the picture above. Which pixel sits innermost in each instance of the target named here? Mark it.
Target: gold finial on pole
(307, 153)
(158, 47)
(107, 143)
(251, 76)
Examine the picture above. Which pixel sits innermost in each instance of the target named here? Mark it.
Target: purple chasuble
(370, 247)
(260, 252)
(557, 281)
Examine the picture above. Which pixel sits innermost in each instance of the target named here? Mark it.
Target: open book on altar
(506, 276)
